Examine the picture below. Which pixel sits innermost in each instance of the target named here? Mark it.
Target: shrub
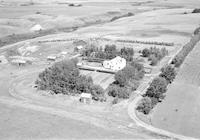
(145, 105)
(153, 59)
(145, 52)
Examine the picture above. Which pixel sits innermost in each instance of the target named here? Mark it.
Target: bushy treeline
(64, 78)
(109, 52)
(126, 80)
(154, 54)
(147, 42)
(156, 90)
(180, 57)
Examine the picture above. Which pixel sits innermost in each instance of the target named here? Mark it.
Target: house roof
(86, 95)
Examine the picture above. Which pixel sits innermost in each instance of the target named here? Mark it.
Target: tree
(64, 78)
(157, 88)
(127, 53)
(119, 92)
(121, 78)
(145, 105)
(139, 67)
(153, 59)
(110, 51)
(98, 93)
(130, 72)
(145, 52)
(168, 73)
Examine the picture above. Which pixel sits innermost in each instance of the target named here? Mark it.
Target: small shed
(86, 98)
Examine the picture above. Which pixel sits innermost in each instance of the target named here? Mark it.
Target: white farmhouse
(116, 64)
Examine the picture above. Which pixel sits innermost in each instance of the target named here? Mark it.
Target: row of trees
(126, 80)
(109, 52)
(155, 93)
(64, 78)
(156, 90)
(154, 54)
(146, 42)
(180, 57)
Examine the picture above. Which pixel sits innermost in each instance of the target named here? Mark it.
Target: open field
(179, 112)
(20, 123)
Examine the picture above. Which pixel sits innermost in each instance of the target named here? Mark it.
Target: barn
(116, 64)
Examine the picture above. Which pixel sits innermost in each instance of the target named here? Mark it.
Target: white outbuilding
(116, 64)
(36, 27)
(86, 98)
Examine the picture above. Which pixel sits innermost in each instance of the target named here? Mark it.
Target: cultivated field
(179, 112)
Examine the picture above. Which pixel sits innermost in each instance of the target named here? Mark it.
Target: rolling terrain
(25, 114)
